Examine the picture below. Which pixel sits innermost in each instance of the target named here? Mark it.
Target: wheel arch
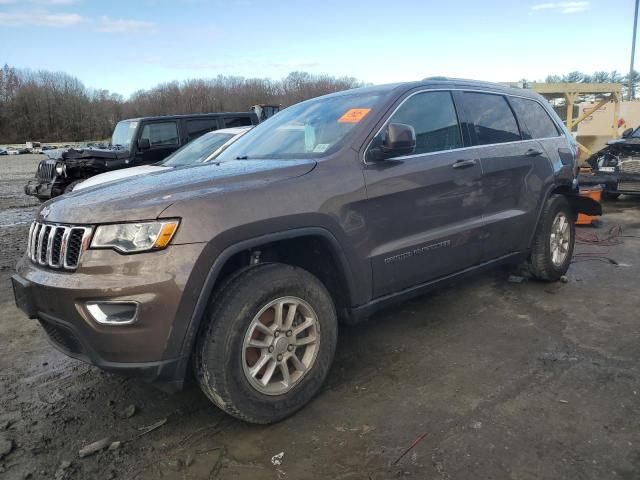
(578, 203)
(231, 261)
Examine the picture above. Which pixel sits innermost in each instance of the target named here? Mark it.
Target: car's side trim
(360, 313)
(210, 281)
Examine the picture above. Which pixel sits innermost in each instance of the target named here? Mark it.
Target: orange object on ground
(595, 193)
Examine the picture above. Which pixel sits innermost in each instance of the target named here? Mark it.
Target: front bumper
(614, 182)
(43, 189)
(160, 282)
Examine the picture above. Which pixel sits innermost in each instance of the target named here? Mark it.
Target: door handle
(464, 164)
(532, 152)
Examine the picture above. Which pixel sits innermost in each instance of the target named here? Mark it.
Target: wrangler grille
(46, 170)
(630, 166)
(57, 246)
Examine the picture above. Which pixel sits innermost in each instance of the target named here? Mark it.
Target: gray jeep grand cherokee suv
(331, 209)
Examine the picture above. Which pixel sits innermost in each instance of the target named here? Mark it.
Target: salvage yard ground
(507, 380)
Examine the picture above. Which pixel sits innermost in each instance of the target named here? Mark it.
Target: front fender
(215, 269)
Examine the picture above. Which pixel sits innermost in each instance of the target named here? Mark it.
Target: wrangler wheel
(268, 344)
(69, 188)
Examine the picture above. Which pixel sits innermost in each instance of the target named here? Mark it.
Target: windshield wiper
(242, 157)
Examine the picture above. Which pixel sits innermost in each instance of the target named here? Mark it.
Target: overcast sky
(125, 45)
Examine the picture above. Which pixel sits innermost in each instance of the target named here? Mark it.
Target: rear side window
(198, 127)
(491, 118)
(434, 119)
(161, 134)
(534, 117)
(237, 122)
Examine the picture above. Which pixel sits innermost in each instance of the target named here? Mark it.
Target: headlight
(607, 161)
(60, 168)
(135, 237)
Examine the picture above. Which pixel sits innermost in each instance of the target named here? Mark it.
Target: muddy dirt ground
(507, 380)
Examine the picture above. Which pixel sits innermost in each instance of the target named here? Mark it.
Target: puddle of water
(12, 217)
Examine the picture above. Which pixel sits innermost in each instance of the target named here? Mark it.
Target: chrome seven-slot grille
(46, 170)
(57, 246)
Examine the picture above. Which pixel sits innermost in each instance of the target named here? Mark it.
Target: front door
(424, 210)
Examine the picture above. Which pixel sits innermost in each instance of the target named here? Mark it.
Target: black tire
(541, 264)
(610, 195)
(69, 188)
(218, 357)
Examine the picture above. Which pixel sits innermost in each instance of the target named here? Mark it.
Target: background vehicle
(135, 142)
(617, 166)
(17, 151)
(201, 150)
(334, 208)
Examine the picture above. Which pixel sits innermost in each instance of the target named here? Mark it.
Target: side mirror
(627, 133)
(144, 144)
(396, 140)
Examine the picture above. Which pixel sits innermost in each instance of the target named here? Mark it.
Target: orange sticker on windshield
(354, 115)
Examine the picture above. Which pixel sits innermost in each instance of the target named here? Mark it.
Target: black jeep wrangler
(137, 141)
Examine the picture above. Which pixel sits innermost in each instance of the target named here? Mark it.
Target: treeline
(53, 106)
(601, 77)
(596, 77)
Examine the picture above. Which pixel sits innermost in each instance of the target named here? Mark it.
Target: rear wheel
(269, 343)
(554, 240)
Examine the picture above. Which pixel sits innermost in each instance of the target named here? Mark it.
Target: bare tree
(54, 106)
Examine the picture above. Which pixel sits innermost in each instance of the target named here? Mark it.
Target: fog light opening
(113, 313)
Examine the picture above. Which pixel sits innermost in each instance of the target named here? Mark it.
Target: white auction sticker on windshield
(321, 147)
(133, 124)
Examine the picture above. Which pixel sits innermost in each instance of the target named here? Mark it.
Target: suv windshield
(309, 129)
(198, 150)
(123, 134)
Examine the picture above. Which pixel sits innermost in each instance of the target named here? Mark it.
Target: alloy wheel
(560, 239)
(280, 345)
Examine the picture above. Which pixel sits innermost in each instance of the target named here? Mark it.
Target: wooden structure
(571, 92)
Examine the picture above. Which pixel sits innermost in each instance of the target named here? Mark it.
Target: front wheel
(269, 343)
(554, 240)
(69, 188)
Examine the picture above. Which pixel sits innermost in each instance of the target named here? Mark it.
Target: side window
(160, 134)
(200, 126)
(237, 122)
(534, 117)
(491, 118)
(434, 119)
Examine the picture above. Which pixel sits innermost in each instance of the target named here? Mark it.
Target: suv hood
(71, 154)
(119, 174)
(145, 197)
(96, 153)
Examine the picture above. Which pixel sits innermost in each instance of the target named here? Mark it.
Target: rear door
(539, 125)
(163, 139)
(237, 121)
(512, 171)
(424, 211)
(195, 127)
